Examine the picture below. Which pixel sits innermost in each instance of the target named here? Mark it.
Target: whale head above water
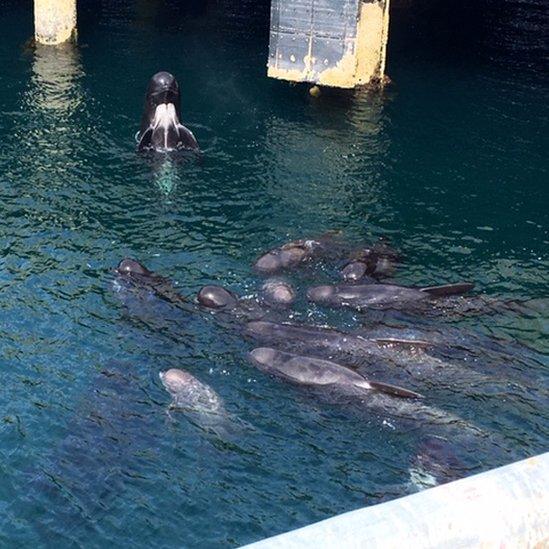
(161, 129)
(163, 88)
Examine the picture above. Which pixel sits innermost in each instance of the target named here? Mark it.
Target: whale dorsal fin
(393, 390)
(448, 289)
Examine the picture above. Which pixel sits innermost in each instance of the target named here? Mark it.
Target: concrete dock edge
(504, 507)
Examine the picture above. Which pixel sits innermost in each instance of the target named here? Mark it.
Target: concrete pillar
(340, 43)
(54, 21)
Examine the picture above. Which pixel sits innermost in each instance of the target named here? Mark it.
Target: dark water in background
(450, 164)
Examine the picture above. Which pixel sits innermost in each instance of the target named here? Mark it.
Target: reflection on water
(448, 164)
(328, 164)
(55, 86)
(51, 137)
(165, 176)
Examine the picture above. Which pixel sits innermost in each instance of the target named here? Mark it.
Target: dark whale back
(305, 370)
(364, 295)
(133, 273)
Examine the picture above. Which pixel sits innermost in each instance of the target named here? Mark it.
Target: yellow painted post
(54, 21)
(371, 47)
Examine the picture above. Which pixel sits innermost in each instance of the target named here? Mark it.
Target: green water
(449, 164)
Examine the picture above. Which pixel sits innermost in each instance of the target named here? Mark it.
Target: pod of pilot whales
(324, 359)
(317, 357)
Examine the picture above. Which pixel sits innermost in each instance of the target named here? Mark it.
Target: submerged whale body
(78, 479)
(189, 393)
(327, 338)
(161, 129)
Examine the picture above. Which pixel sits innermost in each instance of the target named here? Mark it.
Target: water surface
(449, 164)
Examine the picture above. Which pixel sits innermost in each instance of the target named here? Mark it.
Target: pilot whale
(370, 263)
(278, 292)
(161, 129)
(287, 256)
(374, 354)
(294, 253)
(327, 338)
(189, 393)
(130, 273)
(381, 295)
(306, 370)
(335, 380)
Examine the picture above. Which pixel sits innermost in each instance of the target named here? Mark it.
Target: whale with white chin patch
(161, 128)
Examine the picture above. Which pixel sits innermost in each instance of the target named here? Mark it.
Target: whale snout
(163, 82)
(216, 297)
(263, 356)
(320, 293)
(270, 262)
(174, 380)
(279, 292)
(162, 89)
(130, 266)
(163, 79)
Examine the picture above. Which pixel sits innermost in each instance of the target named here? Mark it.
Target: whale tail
(448, 289)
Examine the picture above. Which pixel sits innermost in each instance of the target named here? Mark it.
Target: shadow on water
(107, 444)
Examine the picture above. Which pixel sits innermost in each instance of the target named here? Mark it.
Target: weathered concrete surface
(340, 43)
(54, 21)
(504, 507)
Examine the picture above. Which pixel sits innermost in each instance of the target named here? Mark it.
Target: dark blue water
(449, 164)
